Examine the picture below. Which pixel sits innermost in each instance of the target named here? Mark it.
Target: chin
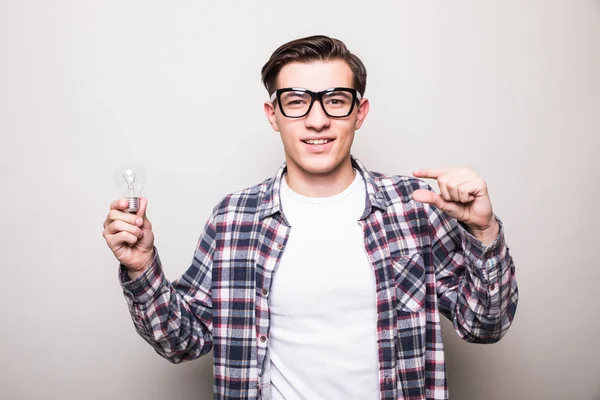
(319, 166)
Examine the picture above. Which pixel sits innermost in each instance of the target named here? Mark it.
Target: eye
(338, 101)
(295, 103)
(295, 100)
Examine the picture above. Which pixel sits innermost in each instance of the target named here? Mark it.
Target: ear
(363, 110)
(269, 109)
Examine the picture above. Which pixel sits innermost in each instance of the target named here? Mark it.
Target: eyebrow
(295, 93)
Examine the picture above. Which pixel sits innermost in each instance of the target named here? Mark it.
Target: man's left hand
(464, 196)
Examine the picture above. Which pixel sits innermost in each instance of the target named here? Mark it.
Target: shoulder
(398, 188)
(245, 201)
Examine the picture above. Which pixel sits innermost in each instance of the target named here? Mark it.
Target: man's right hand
(129, 236)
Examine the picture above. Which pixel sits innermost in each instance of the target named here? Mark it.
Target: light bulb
(130, 177)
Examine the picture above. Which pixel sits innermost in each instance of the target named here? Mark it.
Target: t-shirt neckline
(286, 190)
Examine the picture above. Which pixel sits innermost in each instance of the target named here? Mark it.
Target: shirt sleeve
(475, 284)
(175, 318)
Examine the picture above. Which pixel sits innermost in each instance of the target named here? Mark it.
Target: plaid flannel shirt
(424, 263)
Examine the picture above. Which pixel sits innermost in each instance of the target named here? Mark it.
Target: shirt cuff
(143, 289)
(487, 261)
(477, 249)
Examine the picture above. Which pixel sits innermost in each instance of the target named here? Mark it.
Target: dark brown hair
(310, 49)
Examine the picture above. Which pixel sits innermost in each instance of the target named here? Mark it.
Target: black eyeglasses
(336, 102)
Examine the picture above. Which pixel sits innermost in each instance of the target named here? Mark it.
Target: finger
(433, 173)
(120, 204)
(454, 210)
(116, 215)
(472, 189)
(464, 195)
(442, 182)
(120, 226)
(146, 224)
(142, 209)
(429, 197)
(453, 190)
(115, 241)
(454, 180)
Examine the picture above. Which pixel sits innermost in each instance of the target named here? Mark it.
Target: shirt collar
(271, 202)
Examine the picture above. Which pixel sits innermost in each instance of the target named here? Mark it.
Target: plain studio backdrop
(511, 89)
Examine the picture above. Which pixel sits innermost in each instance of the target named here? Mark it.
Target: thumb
(142, 210)
(146, 225)
(429, 197)
(449, 207)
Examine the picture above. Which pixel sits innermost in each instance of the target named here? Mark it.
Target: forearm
(176, 322)
(483, 301)
(475, 280)
(483, 311)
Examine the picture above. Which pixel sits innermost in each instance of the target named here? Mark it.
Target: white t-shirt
(323, 301)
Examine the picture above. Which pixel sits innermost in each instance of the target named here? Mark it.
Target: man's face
(316, 159)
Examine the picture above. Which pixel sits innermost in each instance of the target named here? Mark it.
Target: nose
(316, 118)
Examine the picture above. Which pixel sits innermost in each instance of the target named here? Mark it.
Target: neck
(327, 184)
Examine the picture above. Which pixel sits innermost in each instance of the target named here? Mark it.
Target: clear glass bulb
(130, 177)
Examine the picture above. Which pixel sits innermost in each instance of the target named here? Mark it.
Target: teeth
(319, 141)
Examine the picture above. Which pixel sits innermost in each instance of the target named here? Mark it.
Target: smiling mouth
(318, 142)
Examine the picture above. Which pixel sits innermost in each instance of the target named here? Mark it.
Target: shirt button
(263, 338)
(492, 286)
(265, 292)
(388, 380)
(279, 246)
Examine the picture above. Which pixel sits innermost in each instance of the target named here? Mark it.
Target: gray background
(510, 88)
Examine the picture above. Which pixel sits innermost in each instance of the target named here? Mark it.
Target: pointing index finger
(432, 173)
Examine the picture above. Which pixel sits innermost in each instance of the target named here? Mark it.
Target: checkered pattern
(424, 264)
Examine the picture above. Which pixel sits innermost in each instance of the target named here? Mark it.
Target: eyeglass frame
(356, 97)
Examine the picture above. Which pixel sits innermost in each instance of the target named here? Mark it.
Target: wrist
(141, 266)
(134, 274)
(486, 234)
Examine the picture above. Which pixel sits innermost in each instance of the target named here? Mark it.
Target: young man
(325, 281)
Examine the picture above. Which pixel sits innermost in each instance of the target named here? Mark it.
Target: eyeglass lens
(335, 103)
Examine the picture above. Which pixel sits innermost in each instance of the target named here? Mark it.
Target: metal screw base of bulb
(134, 204)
